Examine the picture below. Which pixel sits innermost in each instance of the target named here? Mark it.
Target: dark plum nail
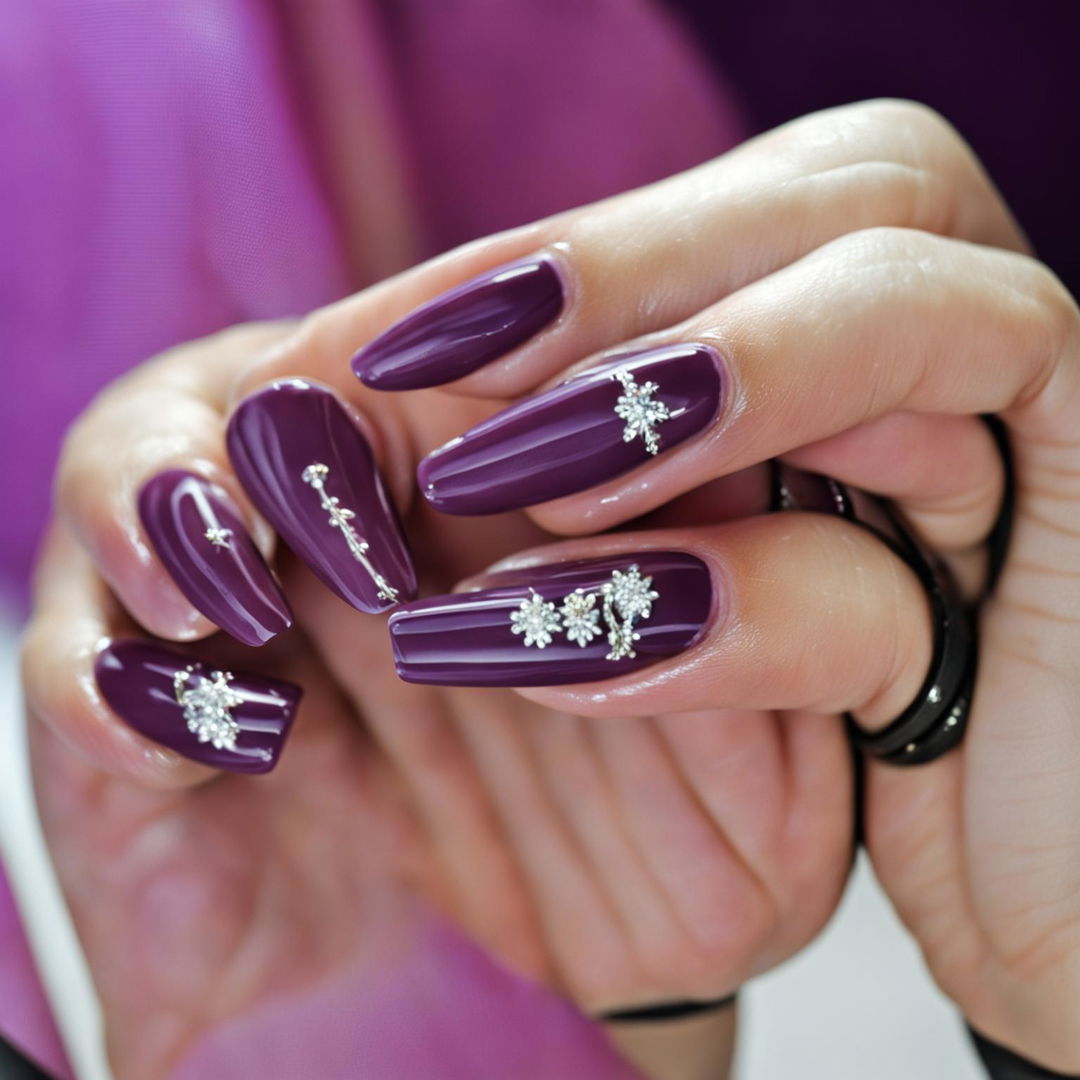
(310, 470)
(198, 535)
(228, 720)
(550, 625)
(464, 329)
(595, 426)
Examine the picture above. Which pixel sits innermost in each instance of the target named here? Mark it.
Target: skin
(672, 833)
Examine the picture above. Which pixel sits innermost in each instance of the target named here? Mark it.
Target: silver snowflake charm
(631, 593)
(341, 517)
(621, 601)
(207, 704)
(219, 537)
(537, 619)
(580, 617)
(641, 412)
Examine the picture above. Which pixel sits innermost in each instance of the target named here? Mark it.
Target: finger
(876, 322)
(145, 485)
(945, 472)
(542, 297)
(784, 611)
(112, 697)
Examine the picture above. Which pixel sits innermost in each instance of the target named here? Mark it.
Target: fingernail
(197, 533)
(221, 718)
(310, 470)
(465, 328)
(554, 625)
(597, 425)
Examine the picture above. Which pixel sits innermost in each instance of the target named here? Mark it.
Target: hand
(864, 294)
(621, 863)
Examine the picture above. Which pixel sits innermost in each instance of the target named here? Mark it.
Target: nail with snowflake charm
(196, 530)
(565, 623)
(595, 426)
(310, 470)
(218, 717)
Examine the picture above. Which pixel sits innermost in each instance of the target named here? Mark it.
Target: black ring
(672, 1010)
(936, 720)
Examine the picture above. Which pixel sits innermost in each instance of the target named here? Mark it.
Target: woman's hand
(620, 862)
(847, 293)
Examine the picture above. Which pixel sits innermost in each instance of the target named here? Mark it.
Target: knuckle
(1059, 314)
(918, 133)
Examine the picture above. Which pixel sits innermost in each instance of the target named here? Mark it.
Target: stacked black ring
(935, 721)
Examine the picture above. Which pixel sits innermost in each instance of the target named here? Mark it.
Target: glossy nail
(221, 718)
(593, 427)
(565, 623)
(465, 328)
(197, 533)
(310, 470)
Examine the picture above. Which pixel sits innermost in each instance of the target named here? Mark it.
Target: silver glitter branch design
(625, 599)
(341, 519)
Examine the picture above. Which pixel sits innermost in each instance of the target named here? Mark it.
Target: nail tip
(134, 681)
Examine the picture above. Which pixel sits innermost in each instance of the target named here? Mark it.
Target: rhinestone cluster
(207, 704)
(640, 410)
(219, 537)
(621, 602)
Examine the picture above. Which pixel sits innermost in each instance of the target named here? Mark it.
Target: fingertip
(61, 691)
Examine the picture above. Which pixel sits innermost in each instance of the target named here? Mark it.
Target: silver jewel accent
(629, 596)
(622, 601)
(580, 617)
(537, 619)
(207, 706)
(219, 537)
(640, 410)
(315, 476)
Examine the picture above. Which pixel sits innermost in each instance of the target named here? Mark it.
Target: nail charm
(341, 518)
(537, 619)
(580, 617)
(641, 413)
(219, 537)
(233, 721)
(207, 707)
(563, 623)
(305, 462)
(624, 599)
(198, 534)
(597, 425)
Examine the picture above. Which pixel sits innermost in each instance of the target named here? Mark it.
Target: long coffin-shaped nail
(310, 470)
(465, 328)
(198, 535)
(595, 426)
(221, 718)
(566, 623)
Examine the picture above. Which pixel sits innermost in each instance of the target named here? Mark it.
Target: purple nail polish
(310, 470)
(217, 717)
(595, 426)
(565, 623)
(465, 328)
(199, 537)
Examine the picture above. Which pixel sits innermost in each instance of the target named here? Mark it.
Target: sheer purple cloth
(162, 180)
